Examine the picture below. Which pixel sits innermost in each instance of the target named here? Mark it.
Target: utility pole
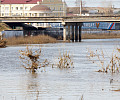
(79, 4)
(64, 8)
(0, 8)
(80, 7)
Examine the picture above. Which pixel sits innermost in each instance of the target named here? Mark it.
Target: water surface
(55, 84)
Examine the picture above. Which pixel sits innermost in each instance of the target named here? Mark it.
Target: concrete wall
(12, 33)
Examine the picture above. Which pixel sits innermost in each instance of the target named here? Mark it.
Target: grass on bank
(40, 39)
(100, 35)
(4, 26)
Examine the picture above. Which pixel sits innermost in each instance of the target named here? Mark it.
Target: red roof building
(20, 1)
(40, 8)
(32, 8)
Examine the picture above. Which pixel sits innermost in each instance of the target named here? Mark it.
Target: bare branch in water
(30, 59)
(98, 57)
(64, 61)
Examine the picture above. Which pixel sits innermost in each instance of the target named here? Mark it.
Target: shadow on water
(32, 86)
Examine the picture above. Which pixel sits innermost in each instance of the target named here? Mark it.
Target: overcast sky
(96, 3)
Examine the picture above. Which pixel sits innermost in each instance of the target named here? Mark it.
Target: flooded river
(55, 84)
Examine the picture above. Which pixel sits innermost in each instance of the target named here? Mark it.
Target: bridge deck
(61, 19)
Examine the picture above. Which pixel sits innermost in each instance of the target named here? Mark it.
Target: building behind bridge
(32, 8)
(91, 11)
(57, 8)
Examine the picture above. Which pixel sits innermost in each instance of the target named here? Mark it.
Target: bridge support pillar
(73, 33)
(68, 33)
(80, 33)
(75, 30)
(76, 33)
(64, 32)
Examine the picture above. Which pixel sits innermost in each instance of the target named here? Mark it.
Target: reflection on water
(55, 84)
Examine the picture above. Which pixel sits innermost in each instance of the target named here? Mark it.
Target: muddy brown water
(59, 84)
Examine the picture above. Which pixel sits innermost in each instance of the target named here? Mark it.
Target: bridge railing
(58, 17)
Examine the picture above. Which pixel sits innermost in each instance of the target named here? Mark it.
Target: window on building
(2, 14)
(6, 14)
(6, 8)
(30, 14)
(26, 8)
(16, 8)
(21, 8)
(25, 14)
(35, 14)
(42, 15)
(12, 8)
(39, 14)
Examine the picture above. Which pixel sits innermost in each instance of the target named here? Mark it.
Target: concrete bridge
(74, 22)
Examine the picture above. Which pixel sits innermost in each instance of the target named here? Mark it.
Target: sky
(96, 3)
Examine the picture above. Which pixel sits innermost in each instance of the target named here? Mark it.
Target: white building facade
(24, 8)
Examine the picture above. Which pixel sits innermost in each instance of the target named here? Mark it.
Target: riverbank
(40, 39)
(100, 36)
(43, 39)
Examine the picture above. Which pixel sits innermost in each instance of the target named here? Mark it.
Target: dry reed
(40, 39)
(100, 36)
(2, 43)
(64, 61)
(99, 58)
(4, 26)
(30, 59)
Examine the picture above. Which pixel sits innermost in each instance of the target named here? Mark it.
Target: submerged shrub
(64, 61)
(112, 65)
(30, 59)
